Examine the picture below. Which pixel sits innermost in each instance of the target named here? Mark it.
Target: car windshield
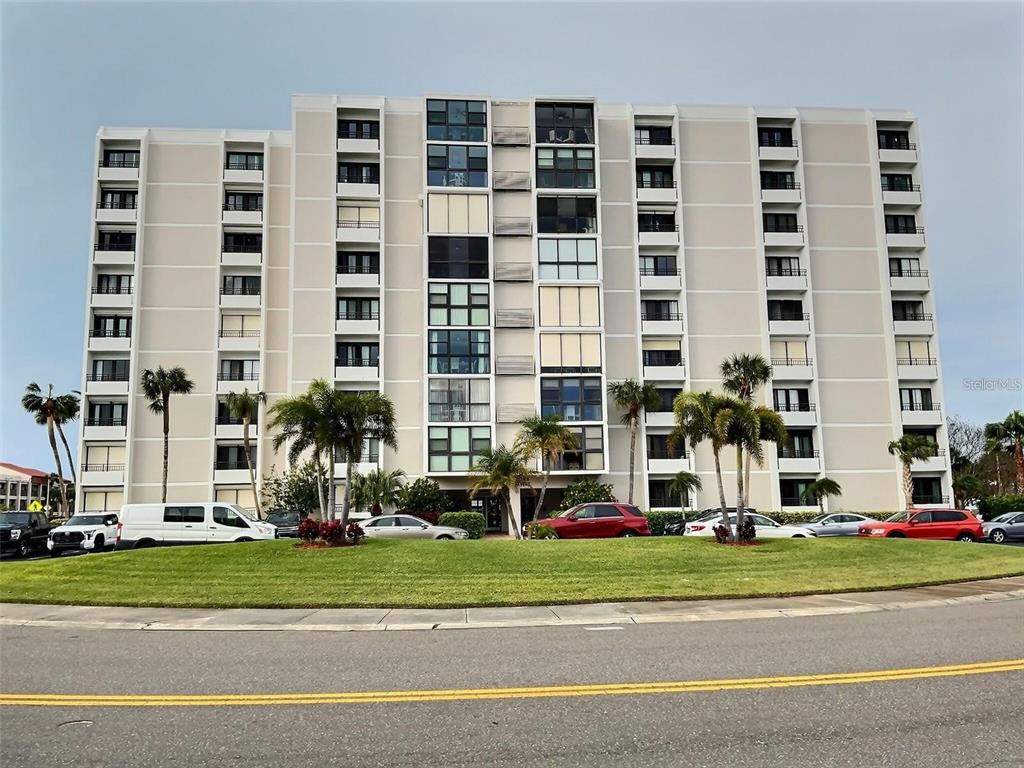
(1005, 518)
(85, 520)
(818, 519)
(567, 512)
(899, 517)
(283, 518)
(13, 518)
(242, 512)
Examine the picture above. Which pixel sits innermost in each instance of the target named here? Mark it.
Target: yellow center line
(475, 694)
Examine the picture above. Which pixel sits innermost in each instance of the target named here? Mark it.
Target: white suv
(92, 532)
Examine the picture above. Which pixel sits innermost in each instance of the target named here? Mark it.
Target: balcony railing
(655, 141)
(106, 376)
(110, 333)
(349, 224)
(791, 361)
(239, 334)
(794, 453)
(357, 269)
(355, 362)
(102, 467)
(916, 361)
(796, 501)
(794, 407)
(912, 316)
(233, 421)
(657, 226)
(788, 316)
(344, 178)
(358, 315)
(659, 271)
(655, 184)
(790, 229)
(897, 145)
(127, 162)
(664, 452)
(112, 246)
(780, 185)
(776, 141)
(250, 207)
(919, 406)
(661, 316)
(112, 289)
(122, 205)
(244, 165)
(785, 272)
(232, 376)
(903, 230)
(106, 421)
(233, 464)
(244, 291)
(908, 273)
(929, 498)
(662, 358)
(889, 187)
(369, 134)
(242, 248)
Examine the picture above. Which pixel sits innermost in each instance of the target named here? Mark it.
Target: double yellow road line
(475, 694)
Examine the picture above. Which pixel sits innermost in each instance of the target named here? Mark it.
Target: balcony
(513, 318)
(104, 429)
(657, 150)
(921, 414)
(356, 369)
(114, 253)
(240, 298)
(234, 214)
(364, 466)
(236, 382)
(661, 323)
(909, 280)
(906, 194)
(231, 472)
(249, 172)
(109, 340)
(905, 237)
(935, 463)
(917, 368)
(919, 324)
(233, 255)
(511, 181)
(361, 142)
(514, 365)
(116, 212)
(102, 474)
(125, 169)
(655, 279)
(799, 461)
(659, 418)
(238, 341)
(357, 277)
(797, 414)
(930, 500)
(358, 323)
(792, 369)
(232, 429)
(781, 149)
(513, 226)
(358, 231)
(785, 279)
(510, 135)
(790, 193)
(664, 367)
(659, 234)
(103, 296)
(364, 190)
(790, 238)
(662, 464)
(905, 152)
(106, 384)
(656, 192)
(790, 324)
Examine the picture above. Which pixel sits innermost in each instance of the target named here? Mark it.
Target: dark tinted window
(455, 257)
(947, 516)
(606, 510)
(456, 120)
(923, 517)
(184, 514)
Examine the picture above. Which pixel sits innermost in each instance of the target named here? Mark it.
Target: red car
(949, 524)
(599, 521)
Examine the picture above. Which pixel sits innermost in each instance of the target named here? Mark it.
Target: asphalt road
(961, 721)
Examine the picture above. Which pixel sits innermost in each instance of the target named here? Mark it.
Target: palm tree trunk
(721, 496)
(332, 492)
(739, 490)
(1018, 459)
(60, 469)
(346, 495)
(248, 462)
(908, 485)
(543, 490)
(167, 430)
(821, 503)
(746, 481)
(67, 450)
(506, 499)
(999, 474)
(318, 467)
(632, 455)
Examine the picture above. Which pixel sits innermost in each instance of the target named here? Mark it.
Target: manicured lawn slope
(492, 572)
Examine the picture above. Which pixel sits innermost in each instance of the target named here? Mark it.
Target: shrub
(424, 498)
(721, 533)
(472, 522)
(295, 490)
(332, 532)
(658, 519)
(747, 531)
(994, 506)
(355, 532)
(585, 491)
(540, 531)
(431, 516)
(309, 530)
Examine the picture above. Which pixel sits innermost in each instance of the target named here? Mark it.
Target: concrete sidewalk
(389, 619)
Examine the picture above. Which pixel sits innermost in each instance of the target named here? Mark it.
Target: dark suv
(23, 533)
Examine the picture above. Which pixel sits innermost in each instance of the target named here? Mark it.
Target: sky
(66, 69)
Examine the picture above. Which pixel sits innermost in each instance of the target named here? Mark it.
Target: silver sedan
(1005, 527)
(837, 524)
(409, 527)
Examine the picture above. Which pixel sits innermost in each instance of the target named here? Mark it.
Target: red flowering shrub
(309, 529)
(355, 532)
(332, 532)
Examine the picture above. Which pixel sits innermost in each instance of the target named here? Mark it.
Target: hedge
(658, 519)
(473, 522)
(994, 506)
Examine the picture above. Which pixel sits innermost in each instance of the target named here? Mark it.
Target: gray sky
(69, 68)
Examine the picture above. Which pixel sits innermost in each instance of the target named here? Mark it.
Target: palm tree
(908, 449)
(997, 444)
(684, 483)
(967, 488)
(46, 410)
(704, 416)
(819, 490)
(300, 421)
(743, 428)
(245, 405)
(742, 376)
(67, 410)
(498, 470)
(633, 398)
(543, 435)
(354, 418)
(1012, 430)
(158, 386)
(378, 489)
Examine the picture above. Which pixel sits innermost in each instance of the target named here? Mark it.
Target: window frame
(468, 171)
(572, 409)
(474, 263)
(441, 127)
(439, 446)
(443, 408)
(550, 255)
(441, 359)
(580, 172)
(560, 221)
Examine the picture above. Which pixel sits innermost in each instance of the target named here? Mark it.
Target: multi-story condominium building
(20, 486)
(479, 260)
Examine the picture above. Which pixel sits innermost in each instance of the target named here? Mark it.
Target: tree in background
(908, 449)
(47, 409)
(498, 470)
(245, 406)
(424, 497)
(705, 416)
(684, 483)
(967, 489)
(633, 398)
(301, 422)
(67, 411)
(586, 490)
(742, 376)
(819, 490)
(357, 418)
(378, 490)
(298, 489)
(1010, 432)
(544, 436)
(966, 443)
(158, 386)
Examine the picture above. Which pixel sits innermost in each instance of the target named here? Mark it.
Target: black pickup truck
(23, 533)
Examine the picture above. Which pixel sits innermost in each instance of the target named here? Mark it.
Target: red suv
(950, 524)
(599, 521)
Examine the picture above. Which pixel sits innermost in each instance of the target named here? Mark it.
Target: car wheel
(897, 535)
(243, 538)
(444, 537)
(798, 536)
(97, 546)
(53, 552)
(998, 536)
(627, 534)
(24, 549)
(965, 537)
(144, 543)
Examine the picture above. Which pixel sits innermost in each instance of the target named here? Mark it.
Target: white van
(152, 525)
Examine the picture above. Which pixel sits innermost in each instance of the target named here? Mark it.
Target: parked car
(764, 527)
(599, 521)
(837, 524)
(287, 522)
(409, 527)
(1005, 527)
(92, 533)
(678, 528)
(22, 533)
(150, 525)
(949, 524)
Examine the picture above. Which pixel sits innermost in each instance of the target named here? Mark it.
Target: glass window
(792, 491)
(111, 326)
(664, 266)
(452, 165)
(456, 120)
(109, 240)
(459, 352)
(654, 177)
(650, 221)
(456, 449)
(358, 309)
(358, 129)
(793, 399)
(890, 139)
(799, 445)
(228, 517)
(660, 309)
(661, 496)
(243, 201)
(244, 161)
(571, 398)
(356, 354)
(459, 304)
(565, 168)
(109, 370)
(909, 310)
(240, 285)
(900, 224)
(567, 215)
(588, 453)
(783, 266)
(662, 357)
(107, 414)
(567, 259)
(915, 399)
(780, 222)
(458, 257)
(460, 400)
(118, 199)
(906, 267)
(786, 309)
(898, 182)
(778, 180)
(233, 456)
(771, 136)
(559, 123)
(666, 397)
(358, 263)
(120, 158)
(660, 447)
(653, 134)
(113, 283)
(243, 242)
(358, 173)
(239, 370)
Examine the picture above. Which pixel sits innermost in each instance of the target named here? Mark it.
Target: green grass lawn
(493, 572)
